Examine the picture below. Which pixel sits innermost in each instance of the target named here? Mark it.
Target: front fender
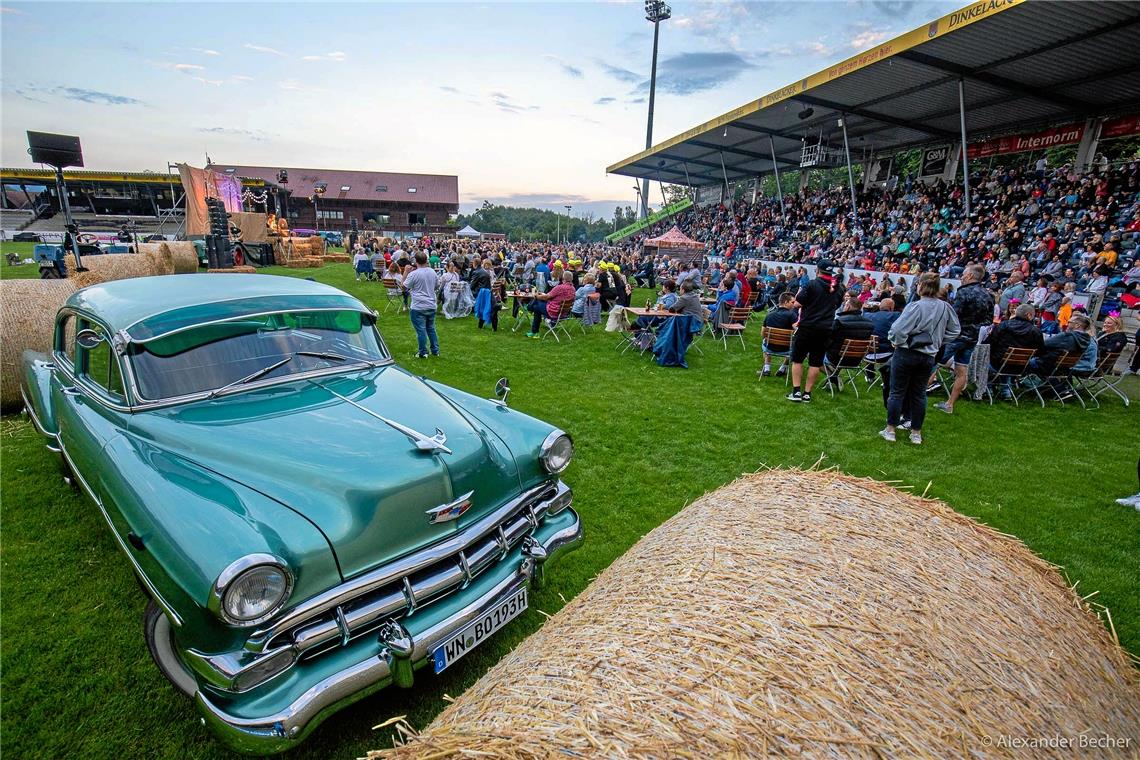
(35, 385)
(190, 523)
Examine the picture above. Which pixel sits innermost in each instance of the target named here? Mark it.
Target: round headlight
(557, 451)
(252, 589)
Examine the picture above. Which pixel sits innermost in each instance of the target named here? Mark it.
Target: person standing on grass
(818, 302)
(421, 284)
(975, 309)
(918, 334)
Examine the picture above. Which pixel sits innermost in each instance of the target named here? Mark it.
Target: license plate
(471, 636)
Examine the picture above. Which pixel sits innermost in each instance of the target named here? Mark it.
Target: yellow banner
(951, 22)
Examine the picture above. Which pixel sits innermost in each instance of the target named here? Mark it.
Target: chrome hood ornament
(423, 442)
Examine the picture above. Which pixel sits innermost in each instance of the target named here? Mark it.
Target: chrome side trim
(166, 608)
(394, 571)
(39, 426)
(287, 727)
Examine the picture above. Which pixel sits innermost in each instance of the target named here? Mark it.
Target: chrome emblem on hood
(451, 510)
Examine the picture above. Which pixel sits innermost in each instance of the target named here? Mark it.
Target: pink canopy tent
(674, 244)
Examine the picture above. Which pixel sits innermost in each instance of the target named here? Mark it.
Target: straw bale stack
(185, 256)
(811, 614)
(337, 258)
(305, 262)
(235, 270)
(160, 257)
(110, 266)
(27, 321)
(317, 245)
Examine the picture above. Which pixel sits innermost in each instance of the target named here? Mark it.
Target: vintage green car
(309, 521)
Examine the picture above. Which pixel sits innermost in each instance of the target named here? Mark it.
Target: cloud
(82, 95)
(204, 51)
(262, 49)
(586, 119)
(336, 56)
(249, 134)
(241, 78)
(203, 80)
(867, 38)
(13, 11)
(507, 104)
(688, 73)
(724, 21)
(448, 88)
(293, 85)
(620, 74)
(605, 101)
(567, 69)
(186, 68)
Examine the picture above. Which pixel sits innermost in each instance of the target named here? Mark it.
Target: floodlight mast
(655, 11)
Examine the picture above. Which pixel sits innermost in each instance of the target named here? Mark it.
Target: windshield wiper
(332, 356)
(322, 355)
(251, 377)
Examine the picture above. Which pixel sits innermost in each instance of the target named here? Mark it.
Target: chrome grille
(401, 587)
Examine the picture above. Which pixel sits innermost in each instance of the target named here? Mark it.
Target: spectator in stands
(581, 295)
(1074, 340)
(1014, 289)
(482, 278)
(1113, 339)
(1018, 332)
(918, 335)
(817, 302)
(850, 324)
(974, 307)
(689, 302)
(360, 262)
(422, 283)
(882, 316)
(549, 304)
(783, 317)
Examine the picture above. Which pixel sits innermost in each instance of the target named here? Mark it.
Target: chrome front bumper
(400, 649)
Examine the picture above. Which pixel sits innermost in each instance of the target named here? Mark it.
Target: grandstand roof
(1025, 64)
(361, 185)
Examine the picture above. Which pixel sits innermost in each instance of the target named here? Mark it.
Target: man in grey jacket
(917, 335)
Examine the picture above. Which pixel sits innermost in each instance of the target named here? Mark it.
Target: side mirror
(502, 390)
(89, 339)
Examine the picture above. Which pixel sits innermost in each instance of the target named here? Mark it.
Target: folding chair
(1060, 375)
(850, 360)
(776, 341)
(1104, 377)
(394, 294)
(871, 366)
(558, 323)
(1011, 368)
(591, 313)
(737, 321)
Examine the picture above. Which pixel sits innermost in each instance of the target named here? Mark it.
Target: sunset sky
(526, 102)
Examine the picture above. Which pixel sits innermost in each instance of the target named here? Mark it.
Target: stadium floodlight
(656, 11)
(568, 207)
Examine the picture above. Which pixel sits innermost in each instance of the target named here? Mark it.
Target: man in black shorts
(818, 301)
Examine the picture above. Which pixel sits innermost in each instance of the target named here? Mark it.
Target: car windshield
(225, 355)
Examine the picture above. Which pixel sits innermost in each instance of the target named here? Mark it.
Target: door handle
(72, 391)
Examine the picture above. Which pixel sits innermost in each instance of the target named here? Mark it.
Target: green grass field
(77, 678)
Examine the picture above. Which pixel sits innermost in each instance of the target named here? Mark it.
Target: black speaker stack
(219, 252)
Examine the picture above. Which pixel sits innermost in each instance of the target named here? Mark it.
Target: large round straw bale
(809, 614)
(110, 266)
(27, 320)
(160, 257)
(184, 255)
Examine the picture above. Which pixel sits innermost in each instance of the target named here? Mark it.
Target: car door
(89, 400)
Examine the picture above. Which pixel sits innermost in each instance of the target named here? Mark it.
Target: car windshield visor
(222, 355)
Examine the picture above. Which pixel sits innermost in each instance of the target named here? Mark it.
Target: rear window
(213, 356)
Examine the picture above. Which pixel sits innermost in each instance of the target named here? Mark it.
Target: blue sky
(526, 102)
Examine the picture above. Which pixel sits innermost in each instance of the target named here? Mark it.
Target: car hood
(363, 483)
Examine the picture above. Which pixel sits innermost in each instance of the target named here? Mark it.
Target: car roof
(143, 306)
